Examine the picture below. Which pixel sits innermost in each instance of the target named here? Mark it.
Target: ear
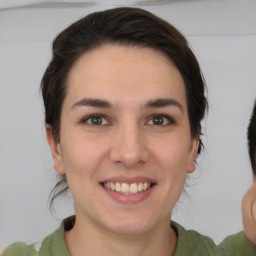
(193, 154)
(55, 149)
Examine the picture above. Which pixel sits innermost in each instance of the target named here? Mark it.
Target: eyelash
(169, 119)
(86, 119)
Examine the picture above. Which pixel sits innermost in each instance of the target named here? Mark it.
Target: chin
(130, 225)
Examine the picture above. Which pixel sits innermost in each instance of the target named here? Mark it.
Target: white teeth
(118, 187)
(133, 188)
(125, 188)
(140, 187)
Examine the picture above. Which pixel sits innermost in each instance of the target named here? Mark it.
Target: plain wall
(222, 34)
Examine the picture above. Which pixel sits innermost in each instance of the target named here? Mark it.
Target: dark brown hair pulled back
(123, 26)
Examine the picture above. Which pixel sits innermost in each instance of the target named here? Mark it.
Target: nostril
(129, 148)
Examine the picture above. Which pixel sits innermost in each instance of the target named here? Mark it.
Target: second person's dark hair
(252, 138)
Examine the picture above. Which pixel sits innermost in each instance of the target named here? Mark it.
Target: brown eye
(95, 120)
(160, 120)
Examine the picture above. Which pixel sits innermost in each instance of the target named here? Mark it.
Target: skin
(127, 144)
(249, 213)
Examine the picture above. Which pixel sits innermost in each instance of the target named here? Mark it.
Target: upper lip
(128, 180)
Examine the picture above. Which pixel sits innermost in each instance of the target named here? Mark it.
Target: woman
(124, 98)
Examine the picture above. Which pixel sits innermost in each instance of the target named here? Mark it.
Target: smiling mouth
(128, 189)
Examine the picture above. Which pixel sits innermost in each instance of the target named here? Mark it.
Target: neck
(85, 237)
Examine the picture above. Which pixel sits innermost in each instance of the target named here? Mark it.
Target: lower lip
(131, 198)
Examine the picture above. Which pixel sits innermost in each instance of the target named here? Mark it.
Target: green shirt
(190, 243)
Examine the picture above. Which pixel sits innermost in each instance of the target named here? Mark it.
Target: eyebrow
(155, 103)
(163, 102)
(98, 103)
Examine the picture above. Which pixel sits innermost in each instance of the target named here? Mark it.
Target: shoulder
(53, 244)
(238, 244)
(21, 249)
(191, 242)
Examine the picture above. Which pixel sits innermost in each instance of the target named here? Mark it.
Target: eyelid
(170, 119)
(88, 117)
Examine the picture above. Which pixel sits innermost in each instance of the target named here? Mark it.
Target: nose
(129, 147)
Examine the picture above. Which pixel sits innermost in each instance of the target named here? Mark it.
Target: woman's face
(125, 143)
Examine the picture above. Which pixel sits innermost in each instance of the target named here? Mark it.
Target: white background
(222, 34)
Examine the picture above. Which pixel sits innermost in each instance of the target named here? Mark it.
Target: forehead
(125, 73)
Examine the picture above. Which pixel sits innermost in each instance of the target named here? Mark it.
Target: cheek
(172, 158)
(173, 153)
(82, 162)
(81, 156)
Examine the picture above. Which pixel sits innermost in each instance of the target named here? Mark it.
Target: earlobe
(192, 167)
(193, 154)
(55, 150)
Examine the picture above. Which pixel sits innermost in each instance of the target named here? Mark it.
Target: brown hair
(251, 135)
(124, 26)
